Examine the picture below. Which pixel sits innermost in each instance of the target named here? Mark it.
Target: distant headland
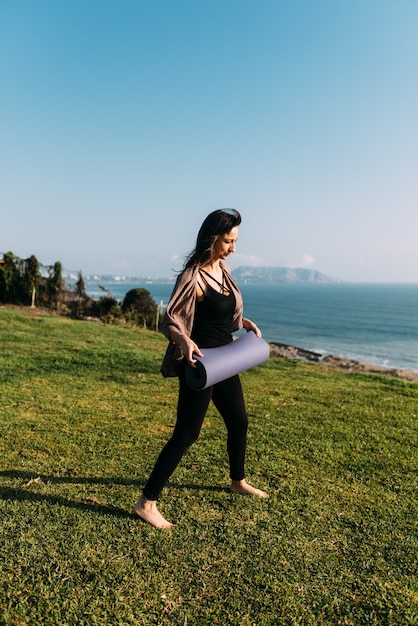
(280, 275)
(243, 274)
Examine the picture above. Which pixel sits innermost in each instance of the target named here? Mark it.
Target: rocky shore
(285, 351)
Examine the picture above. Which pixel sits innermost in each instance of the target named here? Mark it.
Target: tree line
(27, 282)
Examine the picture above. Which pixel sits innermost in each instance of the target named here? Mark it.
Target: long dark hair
(217, 223)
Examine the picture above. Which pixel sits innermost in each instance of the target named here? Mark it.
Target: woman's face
(225, 244)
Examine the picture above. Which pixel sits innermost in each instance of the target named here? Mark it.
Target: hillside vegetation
(83, 413)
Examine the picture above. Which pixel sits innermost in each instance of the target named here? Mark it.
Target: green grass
(83, 413)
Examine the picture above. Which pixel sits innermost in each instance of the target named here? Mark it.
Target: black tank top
(213, 318)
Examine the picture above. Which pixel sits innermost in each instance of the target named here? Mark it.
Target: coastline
(286, 351)
(356, 316)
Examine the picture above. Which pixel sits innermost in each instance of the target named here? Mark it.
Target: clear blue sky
(123, 123)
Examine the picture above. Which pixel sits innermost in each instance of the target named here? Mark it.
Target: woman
(204, 309)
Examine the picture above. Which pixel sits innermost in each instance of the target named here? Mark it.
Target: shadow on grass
(95, 480)
(198, 487)
(24, 494)
(9, 493)
(70, 480)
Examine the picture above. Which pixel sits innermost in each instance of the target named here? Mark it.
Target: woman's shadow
(23, 493)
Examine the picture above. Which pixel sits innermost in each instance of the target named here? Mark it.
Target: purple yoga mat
(220, 363)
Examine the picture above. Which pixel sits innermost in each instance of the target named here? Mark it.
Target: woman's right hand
(188, 347)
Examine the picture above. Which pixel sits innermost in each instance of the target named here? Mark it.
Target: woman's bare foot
(147, 510)
(242, 487)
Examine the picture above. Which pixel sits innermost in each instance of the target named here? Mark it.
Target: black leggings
(192, 405)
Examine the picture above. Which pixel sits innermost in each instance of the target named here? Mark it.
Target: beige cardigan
(180, 312)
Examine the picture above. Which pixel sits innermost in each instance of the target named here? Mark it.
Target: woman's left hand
(249, 325)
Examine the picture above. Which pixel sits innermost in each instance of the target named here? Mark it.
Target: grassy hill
(83, 414)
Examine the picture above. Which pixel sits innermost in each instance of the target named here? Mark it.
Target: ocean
(375, 323)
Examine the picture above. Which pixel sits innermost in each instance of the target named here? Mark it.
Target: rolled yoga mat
(221, 363)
